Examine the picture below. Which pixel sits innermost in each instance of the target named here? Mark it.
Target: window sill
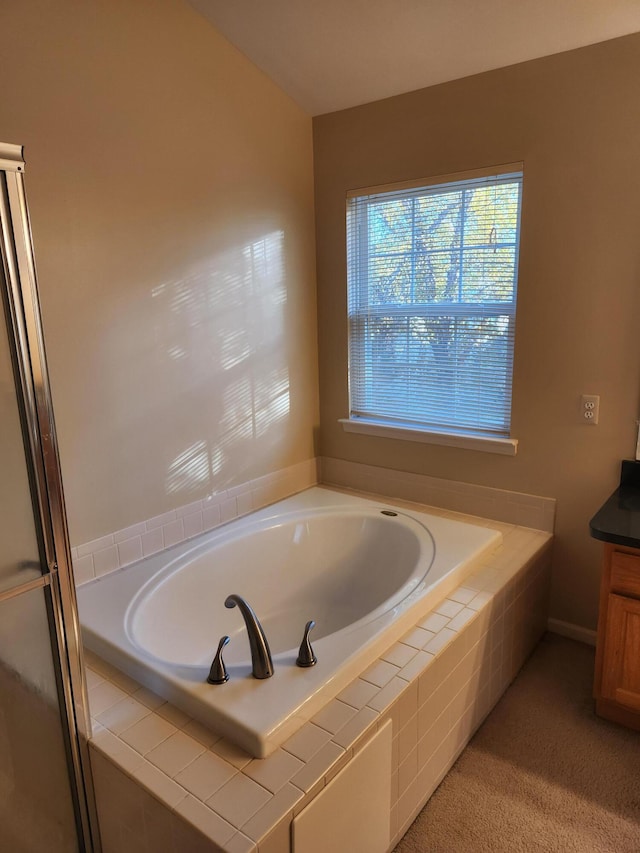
(503, 446)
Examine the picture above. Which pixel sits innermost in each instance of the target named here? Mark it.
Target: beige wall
(574, 121)
(171, 192)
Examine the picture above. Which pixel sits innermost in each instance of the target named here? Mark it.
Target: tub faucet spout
(262, 665)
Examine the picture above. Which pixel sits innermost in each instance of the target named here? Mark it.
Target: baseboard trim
(574, 632)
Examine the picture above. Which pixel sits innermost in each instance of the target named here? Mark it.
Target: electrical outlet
(590, 409)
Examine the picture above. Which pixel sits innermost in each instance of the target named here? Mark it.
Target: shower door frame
(41, 450)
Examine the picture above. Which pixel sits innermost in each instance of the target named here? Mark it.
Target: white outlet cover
(590, 409)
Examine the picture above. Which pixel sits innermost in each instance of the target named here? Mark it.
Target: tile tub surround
(124, 547)
(483, 501)
(159, 773)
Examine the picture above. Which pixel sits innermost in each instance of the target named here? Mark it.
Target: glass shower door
(36, 804)
(43, 803)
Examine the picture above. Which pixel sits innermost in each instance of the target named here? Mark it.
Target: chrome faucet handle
(306, 655)
(218, 673)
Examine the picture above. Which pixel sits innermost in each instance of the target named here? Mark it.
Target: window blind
(432, 280)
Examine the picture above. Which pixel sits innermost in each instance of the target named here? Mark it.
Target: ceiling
(332, 54)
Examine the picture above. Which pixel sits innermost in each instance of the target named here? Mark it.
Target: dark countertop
(618, 519)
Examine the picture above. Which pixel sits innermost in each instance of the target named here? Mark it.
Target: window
(432, 279)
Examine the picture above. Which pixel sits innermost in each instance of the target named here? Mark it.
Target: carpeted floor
(543, 773)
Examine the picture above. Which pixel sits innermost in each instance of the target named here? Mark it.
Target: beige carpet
(543, 773)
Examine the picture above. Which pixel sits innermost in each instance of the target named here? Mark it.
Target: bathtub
(364, 570)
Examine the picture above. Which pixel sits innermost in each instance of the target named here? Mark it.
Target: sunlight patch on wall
(176, 353)
(272, 403)
(224, 331)
(192, 468)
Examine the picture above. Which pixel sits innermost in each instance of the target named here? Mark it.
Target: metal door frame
(34, 394)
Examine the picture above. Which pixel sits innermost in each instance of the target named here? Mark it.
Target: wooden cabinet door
(621, 663)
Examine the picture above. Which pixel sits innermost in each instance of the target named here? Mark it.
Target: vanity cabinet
(617, 676)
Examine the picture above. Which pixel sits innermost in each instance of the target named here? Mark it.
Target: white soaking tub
(362, 569)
